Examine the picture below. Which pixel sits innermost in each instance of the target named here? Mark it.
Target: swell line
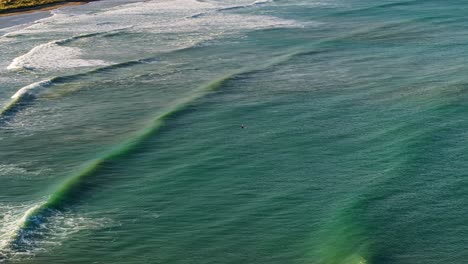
(27, 94)
(70, 191)
(18, 62)
(23, 97)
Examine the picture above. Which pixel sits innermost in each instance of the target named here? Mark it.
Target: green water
(323, 132)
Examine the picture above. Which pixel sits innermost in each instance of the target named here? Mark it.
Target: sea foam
(162, 17)
(31, 89)
(193, 21)
(51, 55)
(15, 244)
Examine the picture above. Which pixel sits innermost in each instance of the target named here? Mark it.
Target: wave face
(99, 50)
(150, 17)
(74, 189)
(38, 240)
(235, 131)
(29, 93)
(32, 89)
(21, 98)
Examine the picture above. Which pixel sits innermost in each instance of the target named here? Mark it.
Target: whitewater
(236, 131)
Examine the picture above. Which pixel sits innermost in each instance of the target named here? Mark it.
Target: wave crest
(23, 95)
(53, 55)
(73, 189)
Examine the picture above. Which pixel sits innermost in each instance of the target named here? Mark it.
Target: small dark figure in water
(242, 126)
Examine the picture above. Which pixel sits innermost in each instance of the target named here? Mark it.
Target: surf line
(69, 191)
(27, 94)
(18, 62)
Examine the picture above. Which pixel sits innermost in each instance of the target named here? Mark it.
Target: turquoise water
(183, 131)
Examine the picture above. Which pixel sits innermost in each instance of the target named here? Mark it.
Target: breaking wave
(73, 189)
(54, 55)
(21, 98)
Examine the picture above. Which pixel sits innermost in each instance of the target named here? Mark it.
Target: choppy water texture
(235, 131)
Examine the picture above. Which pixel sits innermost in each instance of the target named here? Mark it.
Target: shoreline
(39, 8)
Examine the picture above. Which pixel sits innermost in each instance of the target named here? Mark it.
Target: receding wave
(71, 190)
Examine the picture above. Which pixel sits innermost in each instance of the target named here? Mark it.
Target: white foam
(193, 21)
(157, 16)
(31, 89)
(52, 56)
(13, 219)
(259, 2)
(175, 7)
(245, 5)
(6, 169)
(59, 226)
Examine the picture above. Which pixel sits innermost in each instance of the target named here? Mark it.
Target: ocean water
(235, 131)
